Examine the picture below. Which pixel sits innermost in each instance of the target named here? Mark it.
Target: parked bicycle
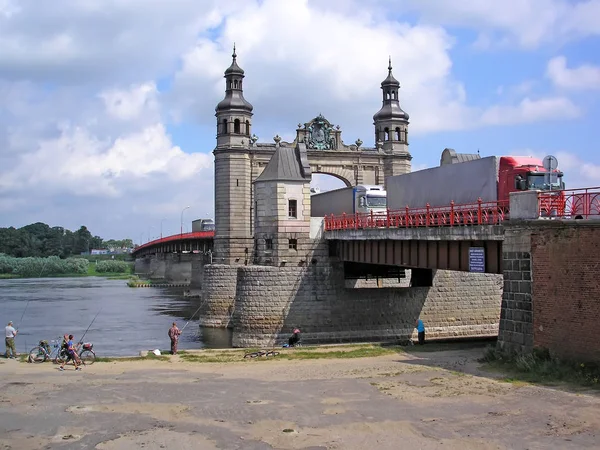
(58, 353)
(54, 351)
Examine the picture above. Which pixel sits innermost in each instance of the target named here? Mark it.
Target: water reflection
(130, 319)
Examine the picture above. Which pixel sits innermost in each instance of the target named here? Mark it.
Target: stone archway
(341, 174)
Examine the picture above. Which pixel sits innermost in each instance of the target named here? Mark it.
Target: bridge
(178, 258)
(450, 237)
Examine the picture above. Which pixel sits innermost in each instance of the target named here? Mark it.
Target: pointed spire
(234, 68)
(390, 80)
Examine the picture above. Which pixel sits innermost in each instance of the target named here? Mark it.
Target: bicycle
(42, 352)
(58, 355)
(259, 353)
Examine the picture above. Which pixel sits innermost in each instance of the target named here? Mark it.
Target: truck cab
(523, 173)
(370, 198)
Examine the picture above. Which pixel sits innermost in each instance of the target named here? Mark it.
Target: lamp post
(161, 221)
(181, 230)
(149, 228)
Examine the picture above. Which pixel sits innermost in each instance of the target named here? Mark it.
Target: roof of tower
(234, 68)
(390, 80)
(284, 165)
(391, 106)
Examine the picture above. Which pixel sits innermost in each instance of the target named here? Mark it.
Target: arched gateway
(240, 159)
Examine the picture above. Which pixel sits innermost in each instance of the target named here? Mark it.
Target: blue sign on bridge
(477, 259)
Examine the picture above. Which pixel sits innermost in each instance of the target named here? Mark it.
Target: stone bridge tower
(391, 128)
(233, 183)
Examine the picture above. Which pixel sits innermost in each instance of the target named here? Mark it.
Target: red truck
(465, 180)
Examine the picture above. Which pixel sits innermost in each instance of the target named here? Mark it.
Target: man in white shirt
(10, 341)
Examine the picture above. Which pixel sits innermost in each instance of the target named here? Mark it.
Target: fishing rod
(191, 317)
(81, 340)
(23, 315)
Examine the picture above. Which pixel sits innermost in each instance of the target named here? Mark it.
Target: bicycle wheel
(61, 356)
(37, 355)
(87, 357)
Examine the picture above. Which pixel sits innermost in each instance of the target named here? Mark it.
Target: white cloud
(527, 23)
(529, 110)
(130, 104)
(583, 77)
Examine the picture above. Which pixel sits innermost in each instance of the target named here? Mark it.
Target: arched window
(235, 84)
(394, 95)
(387, 95)
(236, 126)
(386, 134)
(398, 134)
(247, 128)
(224, 129)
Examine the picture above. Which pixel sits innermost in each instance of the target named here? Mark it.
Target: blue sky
(107, 107)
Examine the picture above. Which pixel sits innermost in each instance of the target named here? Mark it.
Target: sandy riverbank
(400, 400)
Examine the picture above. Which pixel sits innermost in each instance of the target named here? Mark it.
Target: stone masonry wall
(270, 301)
(218, 295)
(566, 306)
(516, 321)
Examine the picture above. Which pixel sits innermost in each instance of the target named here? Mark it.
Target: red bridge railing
(480, 213)
(178, 237)
(583, 203)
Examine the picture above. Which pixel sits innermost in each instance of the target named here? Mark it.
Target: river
(129, 319)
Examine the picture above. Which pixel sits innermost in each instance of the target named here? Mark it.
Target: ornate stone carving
(253, 140)
(320, 136)
(358, 143)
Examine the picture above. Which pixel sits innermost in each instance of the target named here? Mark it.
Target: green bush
(38, 267)
(112, 266)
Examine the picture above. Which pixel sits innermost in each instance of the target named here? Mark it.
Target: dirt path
(437, 400)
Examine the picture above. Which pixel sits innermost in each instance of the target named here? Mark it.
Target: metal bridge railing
(582, 203)
(480, 213)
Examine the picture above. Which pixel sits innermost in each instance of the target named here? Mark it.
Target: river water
(129, 319)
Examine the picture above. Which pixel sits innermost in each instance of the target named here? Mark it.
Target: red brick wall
(566, 290)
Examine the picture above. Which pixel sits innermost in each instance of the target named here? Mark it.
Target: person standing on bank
(420, 331)
(9, 340)
(174, 333)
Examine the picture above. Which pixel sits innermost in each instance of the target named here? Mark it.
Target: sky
(107, 106)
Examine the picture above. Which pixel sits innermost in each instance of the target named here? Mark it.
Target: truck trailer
(492, 179)
(349, 200)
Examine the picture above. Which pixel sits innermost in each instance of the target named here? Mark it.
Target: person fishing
(174, 333)
(294, 338)
(71, 355)
(9, 340)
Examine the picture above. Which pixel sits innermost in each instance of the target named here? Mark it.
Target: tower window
(386, 134)
(398, 134)
(236, 126)
(247, 128)
(268, 244)
(235, 84)
(293, 244)
(293, 209)
(387, 95)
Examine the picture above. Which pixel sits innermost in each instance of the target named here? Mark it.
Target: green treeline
(41, 240)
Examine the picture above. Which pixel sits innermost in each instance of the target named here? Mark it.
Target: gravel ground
(433, 400)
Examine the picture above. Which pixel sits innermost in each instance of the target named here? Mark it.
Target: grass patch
(541, 367)
(149, 357)
(6, 276)
(326, 352)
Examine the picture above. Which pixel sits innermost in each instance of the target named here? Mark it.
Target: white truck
(349, 200)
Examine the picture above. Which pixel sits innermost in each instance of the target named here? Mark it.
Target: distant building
(99, 251)
(203, 225)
